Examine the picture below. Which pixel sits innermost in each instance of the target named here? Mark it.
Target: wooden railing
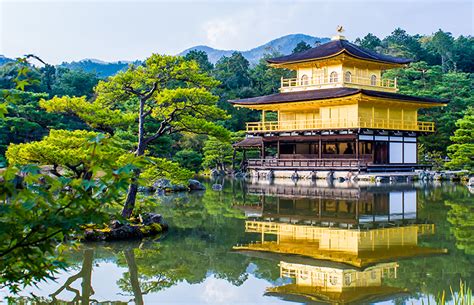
(320, 124)
(327, 82)
(308, 163)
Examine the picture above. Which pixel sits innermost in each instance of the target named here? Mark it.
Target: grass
(461, 297)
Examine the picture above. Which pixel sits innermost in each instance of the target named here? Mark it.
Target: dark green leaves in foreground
(39, 214)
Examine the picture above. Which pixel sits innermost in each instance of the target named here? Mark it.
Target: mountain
(4, 60)
(283, 45)
(102, 68)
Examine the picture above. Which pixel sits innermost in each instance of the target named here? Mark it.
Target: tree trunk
(135, 283)
(133, 188)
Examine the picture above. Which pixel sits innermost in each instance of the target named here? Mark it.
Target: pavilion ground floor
(357, 151)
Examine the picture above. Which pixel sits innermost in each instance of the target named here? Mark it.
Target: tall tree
(443, 43)
(201, 58)
(167, 94)
(301, 46)
(369, 41)
(462, 151)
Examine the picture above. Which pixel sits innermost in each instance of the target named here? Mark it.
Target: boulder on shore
(166, 185)
(195, 185)
(150, 224)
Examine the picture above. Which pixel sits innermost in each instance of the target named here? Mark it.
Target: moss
(151, 229)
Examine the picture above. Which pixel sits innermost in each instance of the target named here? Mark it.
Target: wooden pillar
(262, 152)
(278, 149)
(357, 148)
(320, 148)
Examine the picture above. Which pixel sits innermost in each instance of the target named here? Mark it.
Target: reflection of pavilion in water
(340, 285)
(352, 236)
(320, 203)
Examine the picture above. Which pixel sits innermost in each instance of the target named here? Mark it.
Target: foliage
(189, 159)
(420, 79)
(217, 154)
(201, 58)
(301, 46)
(167, 93)
(461, 152)
(93, 113)
(74, 83)
(37, 218)
(369, 42)
(25, 121)
(64, 150)
(157, 168)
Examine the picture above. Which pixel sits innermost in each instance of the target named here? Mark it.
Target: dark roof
(249, 142)
(321, 94)
(335, 47)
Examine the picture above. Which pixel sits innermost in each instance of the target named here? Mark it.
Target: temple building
(339, 114)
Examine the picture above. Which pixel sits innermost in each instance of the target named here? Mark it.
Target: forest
(441, 68)
(102, 139)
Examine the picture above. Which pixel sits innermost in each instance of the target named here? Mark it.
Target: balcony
(298, 84)
(320, 124)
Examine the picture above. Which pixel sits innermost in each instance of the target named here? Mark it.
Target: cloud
(219, 32)
(218, 291)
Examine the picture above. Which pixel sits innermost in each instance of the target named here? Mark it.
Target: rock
(239, 174)
(144, 189)
(217, 187)
(149, 218)
(217, 173)
(166, 185)
(115, 224)
(125, 232)
(470, 182)
(195, 185)
(162, 184)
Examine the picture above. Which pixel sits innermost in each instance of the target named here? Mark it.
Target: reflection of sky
(211, 291)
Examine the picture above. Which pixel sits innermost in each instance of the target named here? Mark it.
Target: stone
(149, 218)
(166, 185)
(124, 232)
(162, 184)
(217, 187)
(470, 182)
(115, 224)
(217, 173)
(195, 185)
(240, 174)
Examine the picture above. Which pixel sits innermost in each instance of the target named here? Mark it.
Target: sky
(113, 30)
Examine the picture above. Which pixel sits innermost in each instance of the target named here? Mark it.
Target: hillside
(103, 69)
(283, 45)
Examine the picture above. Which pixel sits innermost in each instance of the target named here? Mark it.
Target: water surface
(281, 242)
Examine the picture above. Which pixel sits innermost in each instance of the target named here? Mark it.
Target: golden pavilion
(339, 114)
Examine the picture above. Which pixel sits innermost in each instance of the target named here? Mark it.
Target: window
(373, 80)
(333, 77)
(304, 80)
(348, 279)
(348, 77)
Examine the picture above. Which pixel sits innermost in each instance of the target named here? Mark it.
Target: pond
(281, 242)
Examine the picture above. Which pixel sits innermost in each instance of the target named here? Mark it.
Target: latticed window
(304, 80)
(333, 77)
(348, 77)
(373, 80)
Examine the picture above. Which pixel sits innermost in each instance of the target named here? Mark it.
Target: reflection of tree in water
(461, 217)
(85, 274)
(445, 206)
